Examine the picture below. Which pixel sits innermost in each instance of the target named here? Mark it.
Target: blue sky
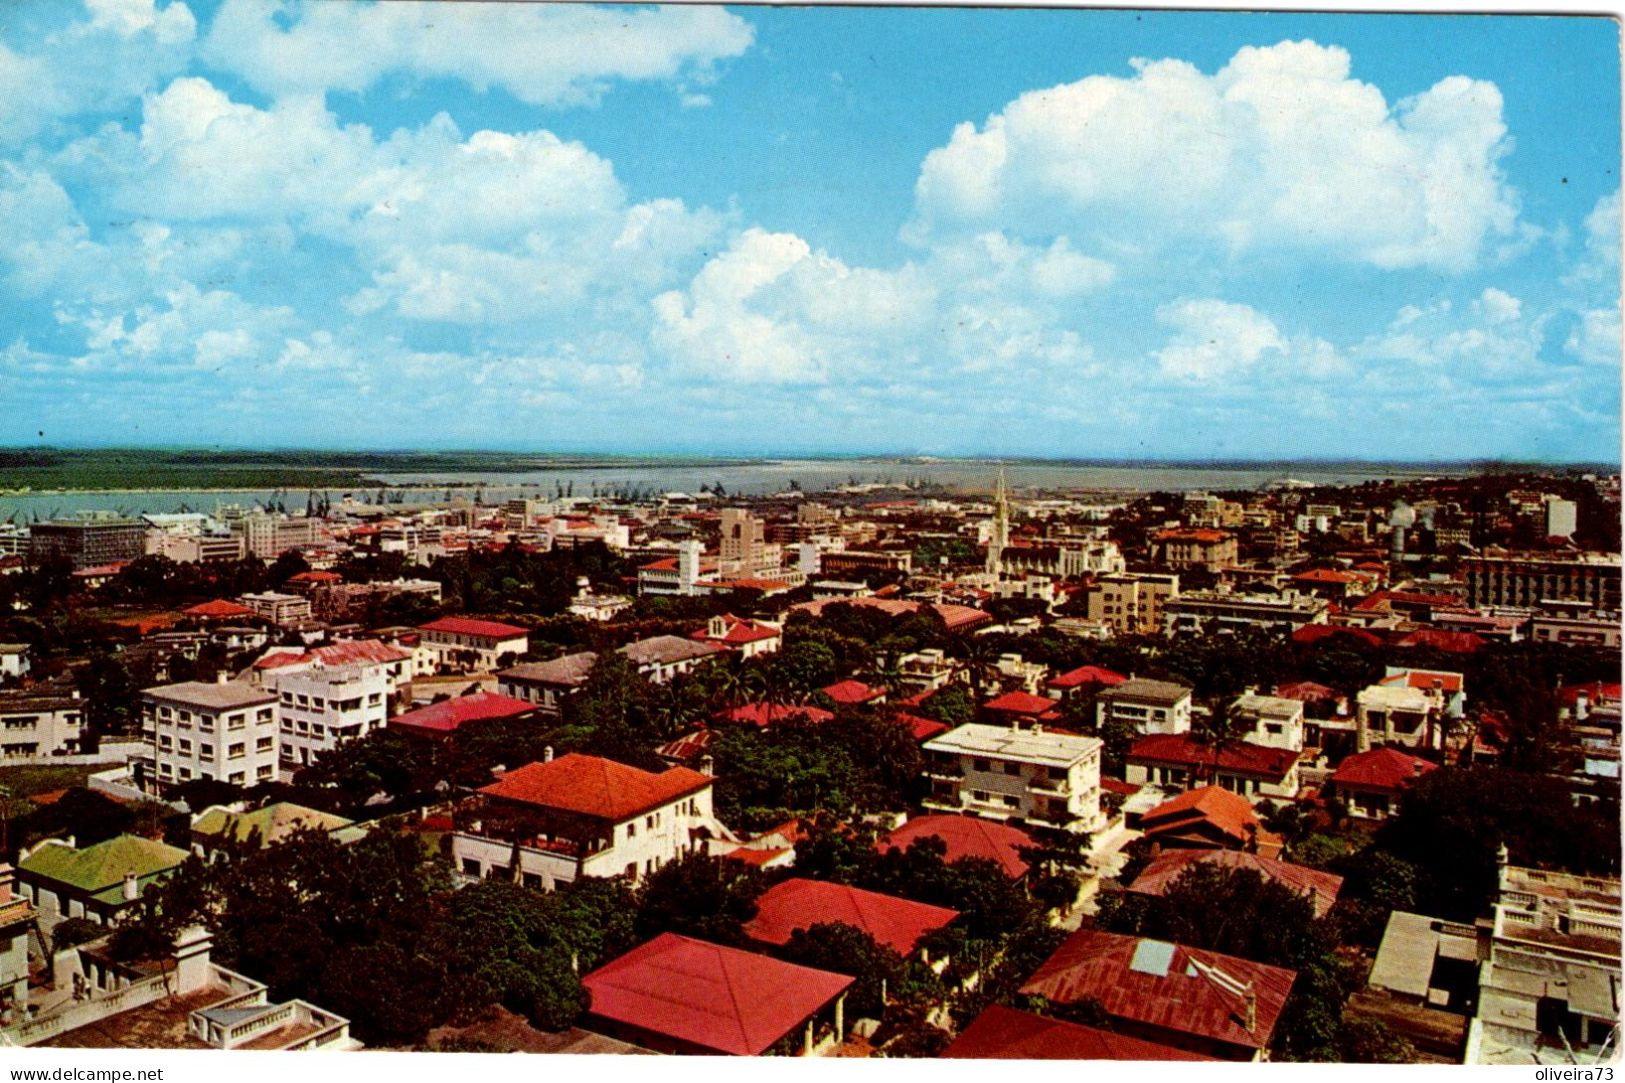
(764, 230)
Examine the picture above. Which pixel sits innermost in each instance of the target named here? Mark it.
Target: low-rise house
(219, 828)
(96, 882)
(676, 994)
(1029, 775)
(746, 638)
(1205, 611)
(1147, 705)
(762, 715)
(16, 920)
(463, 644)
(554, 822)
(15, 662)
(40, 722)
(1426, 962)
(660, 658)
(1083, 681)
(798, 903)
(547, 684)
(1257, 772)
(441, 720)
(965, 836)
(1208, 818)
(1319, 887)
(1200, 1001)
(1001, 1033)
(219, 609)
(924, 671)
(1271, 721)
(1020, 710)
(1372, 784)
(854, 694)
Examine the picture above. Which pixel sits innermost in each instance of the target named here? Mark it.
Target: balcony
(1048, 787)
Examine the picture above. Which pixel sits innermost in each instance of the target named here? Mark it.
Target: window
(205, 723)
(237, 751)
(236, 778)
(631, 831)
(1011, 767)
(164, 743)
(979, 764)
(264, 771)
(184, 746)
(471, 866)
(205, 751)
(287, 697)
(264, 715)
(264, 744)
(236, 721)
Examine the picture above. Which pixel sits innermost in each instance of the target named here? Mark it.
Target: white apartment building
(34, 724)
(583, 816)
(320, 707)
(1202, 611)
(279, 609)
(1132, 602)
(225, 730)
(1003, 774)
(269, 536)
(1270, 720)
(1152, 707)
(15, 661)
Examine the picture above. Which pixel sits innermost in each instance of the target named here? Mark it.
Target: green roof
(273, 822)
(103, 865)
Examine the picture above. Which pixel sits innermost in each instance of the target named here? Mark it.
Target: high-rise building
(88, 543)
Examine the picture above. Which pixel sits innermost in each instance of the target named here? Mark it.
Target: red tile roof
(593, 786)
(921, 729)
(719, 999)
(1598, 692)
(1383, 600)
(759, 858)
(852, 692)
(1451, 642)
(1001, 1033)
(1328, 575)
(1423, 679)
(1182, 999)
(1321, 887)
(1384, 768)
(739, 632)
(766, 714)
(316, 577)
(1229, 813)
(1200, 534)
(1305, 691)
(1314, 633)
(1240, 757)
(467, 626)
(1077, 678)
(1023, 703)
(956, 617)
(800, 904)
(219, 609)
(966, 836)
(447, 716)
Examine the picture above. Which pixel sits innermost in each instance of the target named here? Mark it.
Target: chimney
(707, 765)
(130, 892)
(1038, 728)
(221, 676)
(547, 754)
(1251, 999)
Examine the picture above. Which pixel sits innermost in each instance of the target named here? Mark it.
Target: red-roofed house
(1209, 818)
(921, 729)
(584, 816)
(957, 618)
(1176, 759)
(966, 836)
(1336, 635)
(1200, 1001)
(1020, 710)
(462, 644)
(747, 638)
(854, 694)
(219, 609)
(799, 903)
(441, 720)
(1371, 783)
(1439, 640)
(1085, 680)
(680, 995)
(1321, 888)
(1001, 1033)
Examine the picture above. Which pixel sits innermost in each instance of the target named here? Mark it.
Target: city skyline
(1060, 234)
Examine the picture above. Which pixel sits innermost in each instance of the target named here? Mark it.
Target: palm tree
(1219, 730)
(976, 656)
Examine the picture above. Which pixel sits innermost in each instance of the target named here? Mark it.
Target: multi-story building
(1529, 579)
(746, 638)
(268, 536)
(1149, 706)
(88, 543)
(1548, 970)
(577, 816)
(660, 658)
(464, 644)
(856, 562)
(1270, 721)
(1200, 611)
(1002, 774)
(224, 730)
(1575, 623)
(744, 541)
(329, 695)
(39, 723)
(280, 609)
(15, 662)
(547, 684)
(1209, 550)
(1131, 602)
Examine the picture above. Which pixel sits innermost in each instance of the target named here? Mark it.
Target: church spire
(1001, 527)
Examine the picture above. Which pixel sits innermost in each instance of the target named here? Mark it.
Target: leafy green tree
(1369, 1041)
(843, 949)
(698, 895)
